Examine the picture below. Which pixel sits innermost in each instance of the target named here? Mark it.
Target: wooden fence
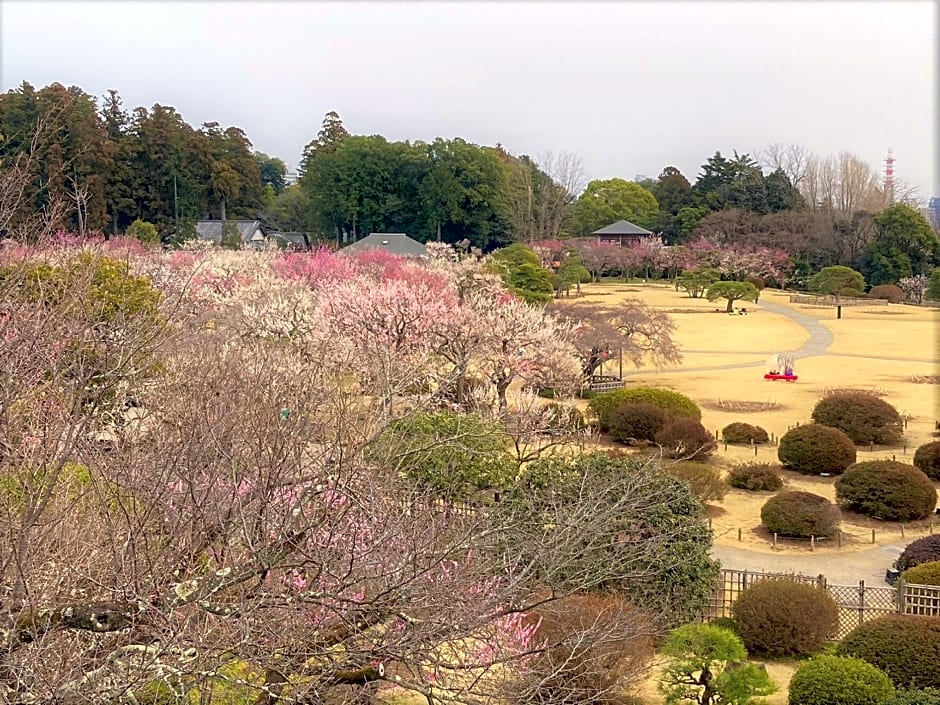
(831, 301)
(857, 603)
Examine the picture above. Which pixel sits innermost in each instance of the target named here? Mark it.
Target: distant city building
(933, 212)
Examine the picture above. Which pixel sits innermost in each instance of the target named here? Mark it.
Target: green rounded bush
(785, 618)
(886, 490)
(686, 439)
(850, 293)
(759, 477)
(675, 405)
(703, 479)
(738, 432)
(924, 574)
(906, 647)
(814, 449)
(922, 550)
(801, 515)
(864, 417)
(838, 680)
(636, 423)
(927, 459)
(887, 292)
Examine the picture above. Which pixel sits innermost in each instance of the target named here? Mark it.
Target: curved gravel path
(820, 338)
(846, 568)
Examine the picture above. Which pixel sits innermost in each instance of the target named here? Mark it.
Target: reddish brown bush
(785, 618)
(864, 417)
(815, 449)
(686, 439)
(922, 550)
(619, 646)
(636, 423)
(887, 292)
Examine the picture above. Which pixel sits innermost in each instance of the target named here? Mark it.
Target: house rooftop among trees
(623, 232)
(251, 231)
(396, 243)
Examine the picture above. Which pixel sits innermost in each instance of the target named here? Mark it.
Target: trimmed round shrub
(927, 459)
(838, 680)
(922, 696)
(922, 550)
(686, 439)
(864, 417)
(906, 647)
(924, 574)
(801, 515)
(785, 618)
(757, 281)
(636, 423)
(887, 490)
(757, 477)
(815, 449)
(738, 432)
(675, 405)
(887, 292)
(703, 479)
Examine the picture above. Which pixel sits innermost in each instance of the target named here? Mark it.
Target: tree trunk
(438, 231)
(501, 388)
(222, 210)
(730, 308)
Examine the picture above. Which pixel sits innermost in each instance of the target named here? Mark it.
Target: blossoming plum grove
(189, 504)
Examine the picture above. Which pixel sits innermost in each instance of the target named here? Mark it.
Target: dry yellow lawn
(883, 332)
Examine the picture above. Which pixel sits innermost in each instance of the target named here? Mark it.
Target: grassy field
(875, 348)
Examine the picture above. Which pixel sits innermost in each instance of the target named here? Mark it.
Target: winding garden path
(846, 568)
(820, 338)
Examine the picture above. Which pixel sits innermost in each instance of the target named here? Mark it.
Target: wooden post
(873, 536)
(893, 458)
(716, 434)
(861, 602)
(709, 523)
(755, 451)
(726, 445)
(840, 538)
(900, 595)
(902, 530)
(812, 543)
(739, 534)
(871, 446)
(775, 539)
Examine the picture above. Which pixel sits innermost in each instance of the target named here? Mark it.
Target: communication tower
(889, 178)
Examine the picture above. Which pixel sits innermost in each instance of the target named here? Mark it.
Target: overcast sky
(629, 86)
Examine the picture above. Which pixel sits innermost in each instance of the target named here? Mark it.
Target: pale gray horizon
(630, 87)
